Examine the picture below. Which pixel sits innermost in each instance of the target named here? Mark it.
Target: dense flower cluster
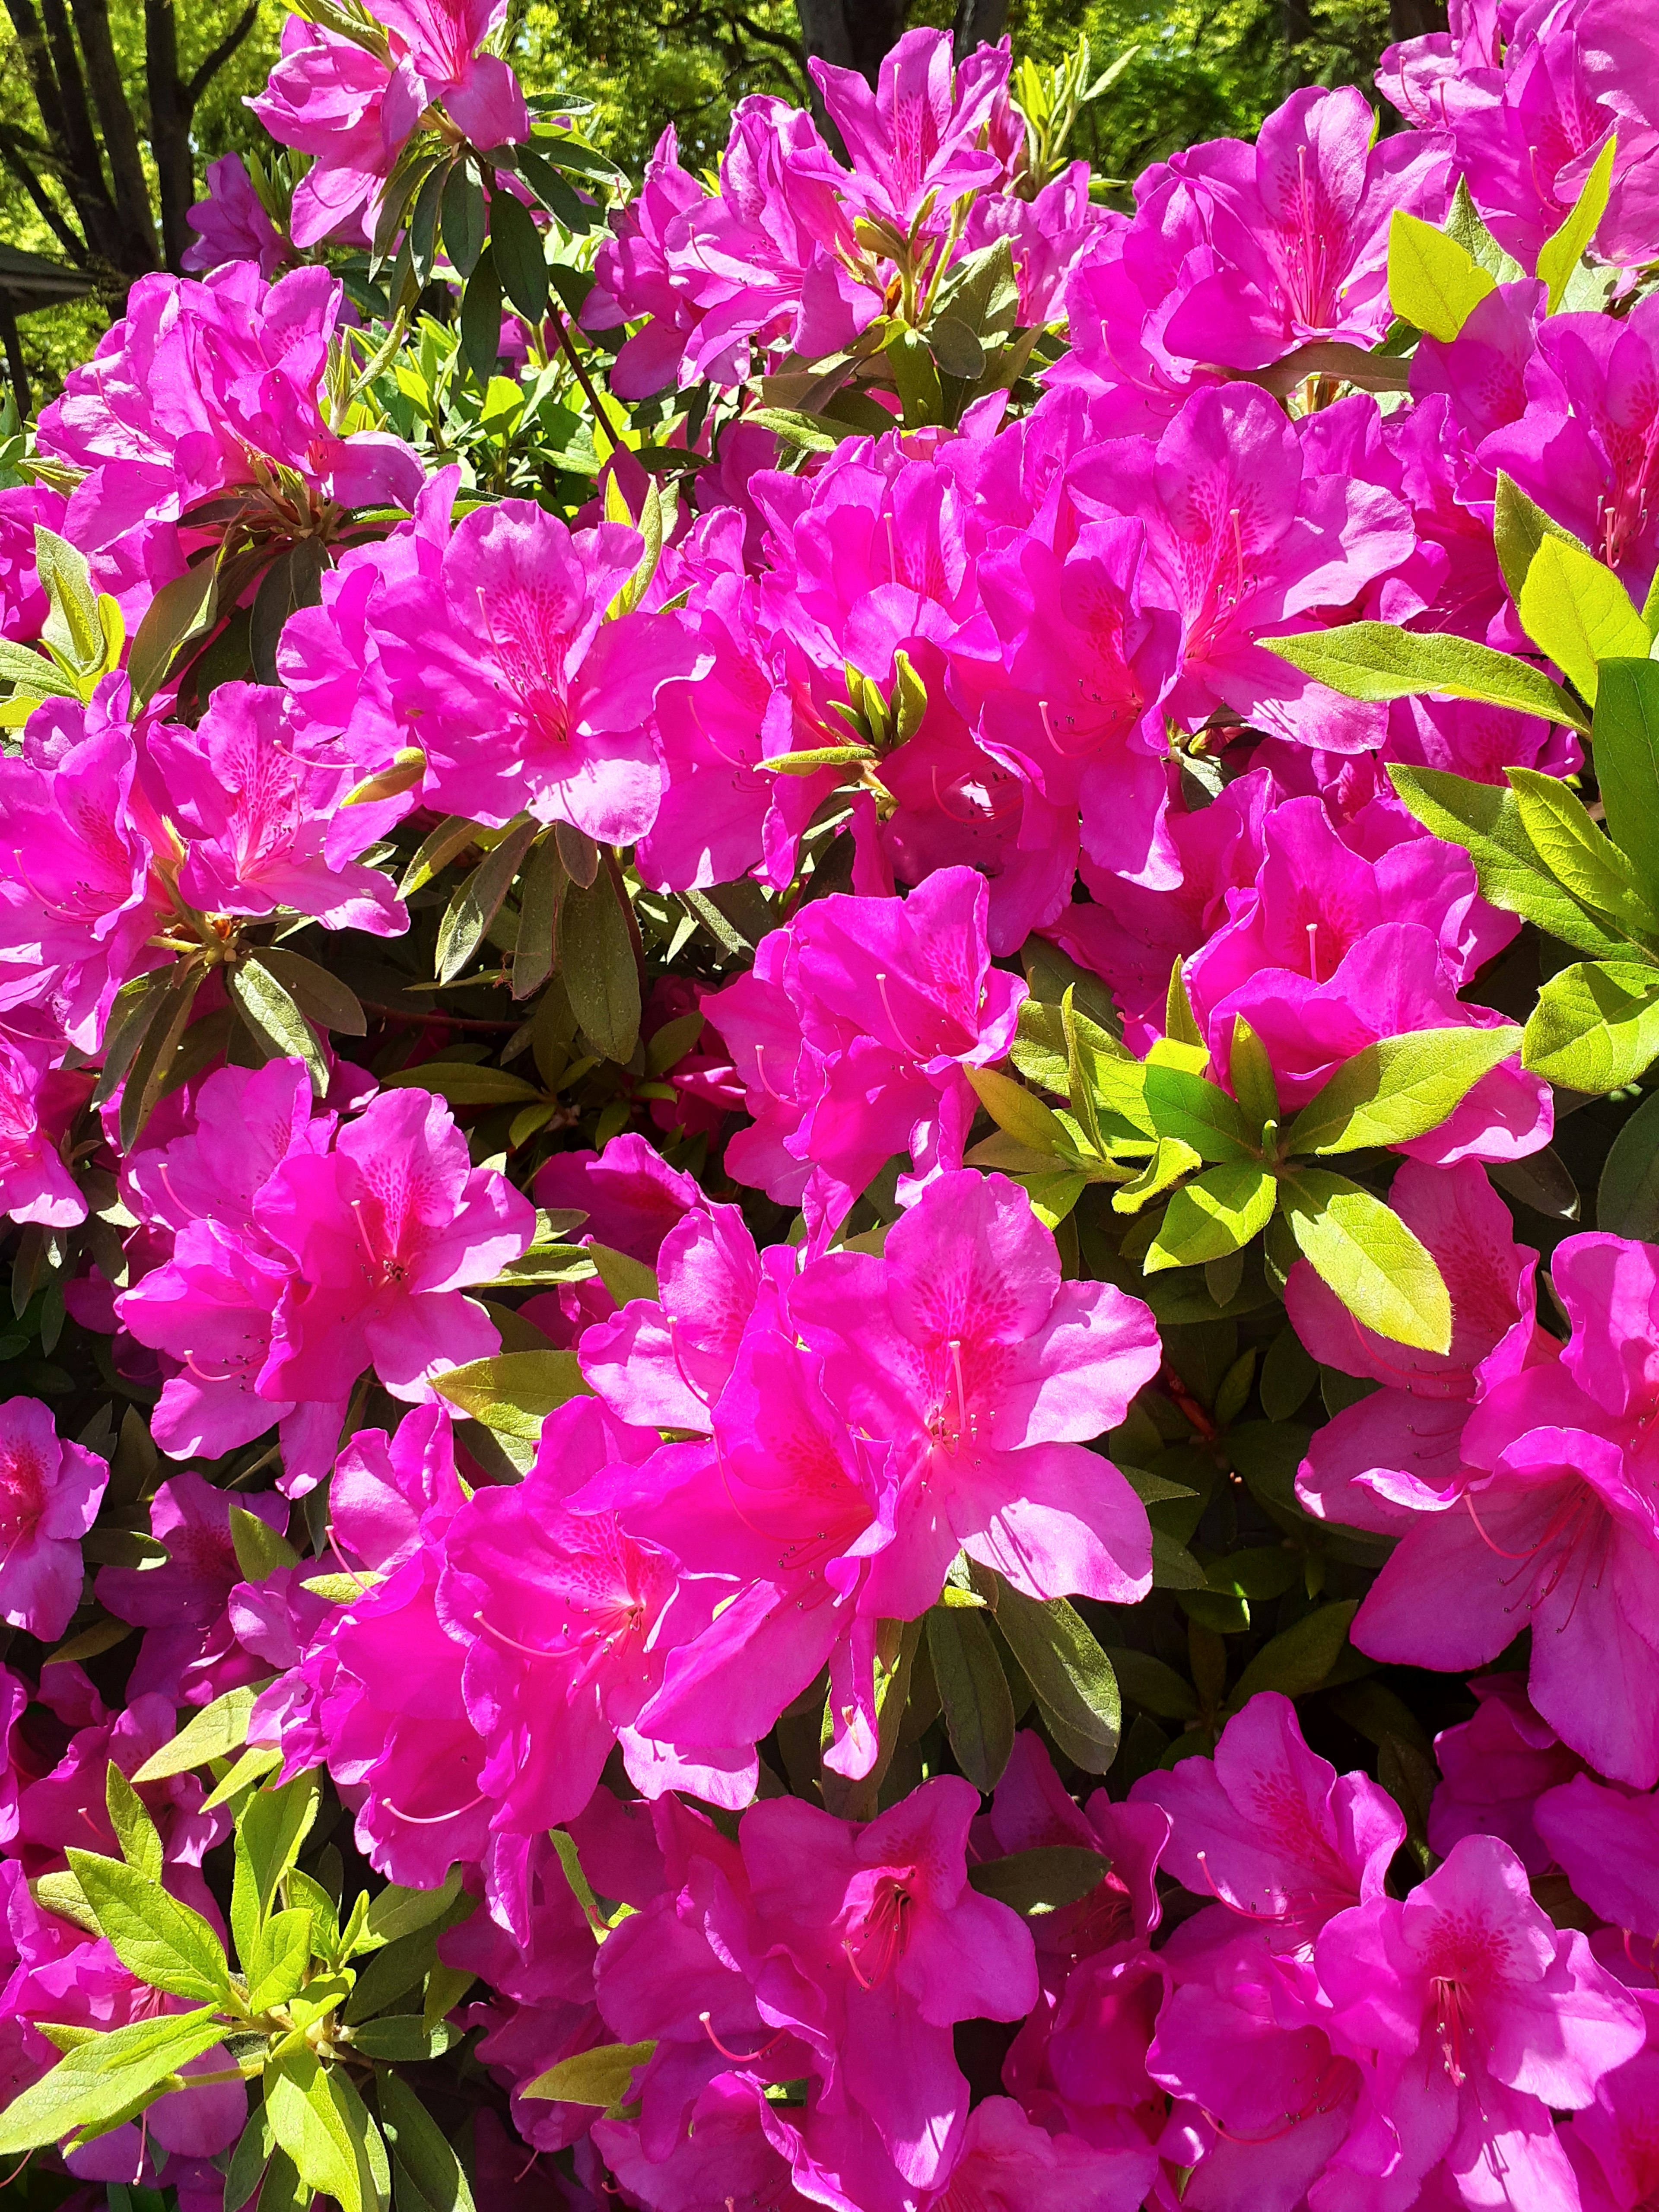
(779, 1390)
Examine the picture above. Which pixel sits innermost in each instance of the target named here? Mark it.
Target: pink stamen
(739, 2058)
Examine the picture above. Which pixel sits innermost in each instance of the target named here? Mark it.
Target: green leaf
(1174, 1566)
(623, 1276)
(1578, 612)
(395, 1911)
(1433, 282)
(373, 2165)
(260, 1550)
(405, 2038)
(436, 850)
(541, 893)
(1576, 853)
(1399, 1088)
(1464, 224)
(1013, 1108)
(165, 1943)
(1520, 526)
(96, 2083)
(1216, 1213)
(272, 1826)
(459, 1082)
(596, 957)
(180, 612)
(141, 1846)
(979, 1709)
(515, 1393)
(1628, 1199)
(1042, 1880)
(218, 1730)
(1251, 1072)
(480, 319)
(1560, 255)
(321, 997)
(1595, 1026)
(1301, 1659)
(1198, 1113)
(592, 2077)
(1626, 742)
(425, 2172)
(517, 246)
(479, 899)
(72, 626)
(1365, 1253)
(464, 215)
(279, 1028)
(154, 1057)
(1170, 1160)
(1072, 1677)
(1375, 660)
(282, 1950)
(309, 2123)
(1153, 1685)
(249, 2159)
(1485, 821)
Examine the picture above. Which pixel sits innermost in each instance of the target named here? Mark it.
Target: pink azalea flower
(880, 1935)
(1271, 1831)
(49, 1496)
(38, 1103)
(1496, 1768)
(203, 390)
(1479, 2016)
(919, 137)
(527, 698)
(386, 1232)
(566, 1620)
(962, 1347)
(838, 1084)
(1298, 226)
(1549, 1522)
(78, 901)
(231, 223)
(257, 806)
(1613, 2144)
(191, 1652)
(1606, 1844)
(1243, 541)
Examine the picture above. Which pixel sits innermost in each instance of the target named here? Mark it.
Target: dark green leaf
(1071, 1675)
(179, 613)
(1155, 1687)
(464, 218)
(321, 997)
(596, 958)
(979, 1710)
(480, 319)
(517, 246)
(480, 900)
(1041, 1881)
(540, 892)
(425, 2172)
(279, 1028)
(1627, 1201)
(1299, 1660)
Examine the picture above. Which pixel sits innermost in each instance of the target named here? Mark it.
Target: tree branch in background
(202, 75)
(120, 136)
(15, 151)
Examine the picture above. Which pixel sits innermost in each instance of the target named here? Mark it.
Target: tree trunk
(120, 136)
(851, 33)
(16, 374)
(169, 124)
(1412, 19)
(978, 22)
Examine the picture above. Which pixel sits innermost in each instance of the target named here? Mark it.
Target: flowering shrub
(802, 980)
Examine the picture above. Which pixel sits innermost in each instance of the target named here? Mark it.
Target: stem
(568, 350)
